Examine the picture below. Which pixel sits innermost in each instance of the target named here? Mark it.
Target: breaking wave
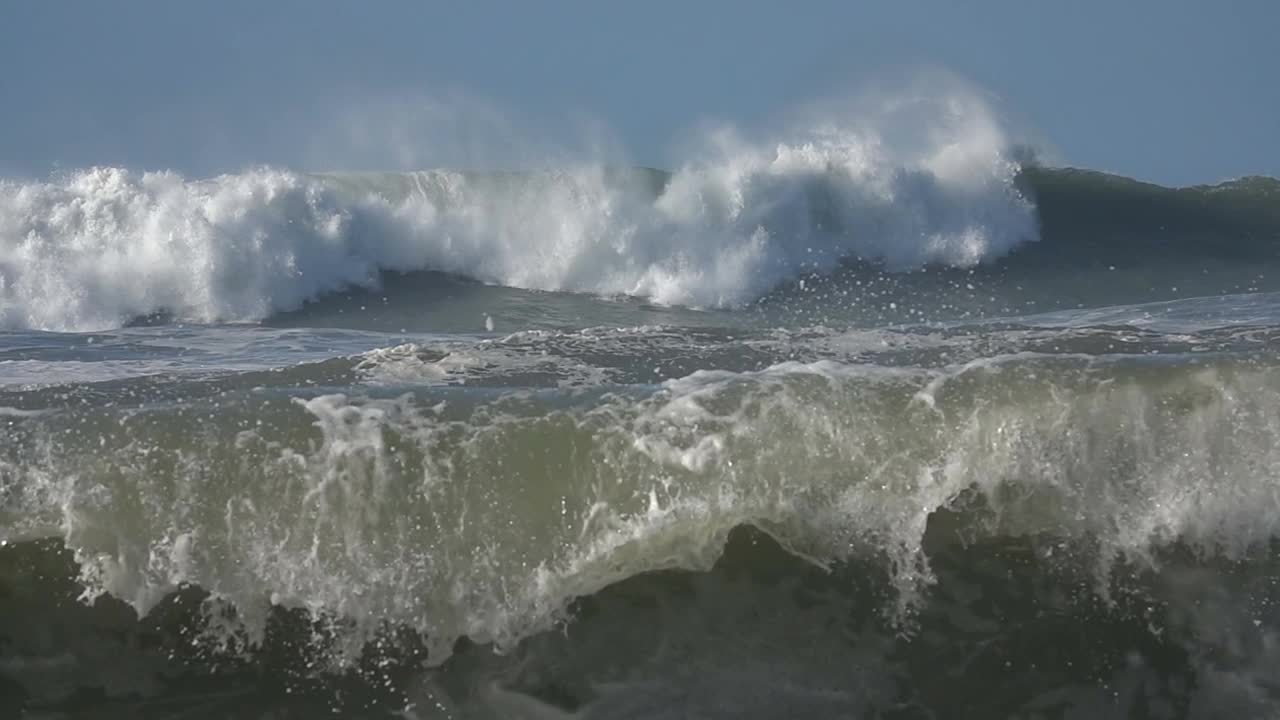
(95, 248)
(482, 516)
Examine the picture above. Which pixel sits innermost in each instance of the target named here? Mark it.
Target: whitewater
(871, 416)
(95, 248)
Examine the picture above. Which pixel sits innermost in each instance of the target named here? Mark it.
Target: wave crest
(97, 247)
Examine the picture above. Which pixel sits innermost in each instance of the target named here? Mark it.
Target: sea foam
(95, 248)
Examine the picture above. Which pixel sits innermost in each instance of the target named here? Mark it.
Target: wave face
(95, 248)
(407, 508)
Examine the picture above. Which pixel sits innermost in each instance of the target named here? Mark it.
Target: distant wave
(95, 248)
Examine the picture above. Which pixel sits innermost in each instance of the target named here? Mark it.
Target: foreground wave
(475, 491)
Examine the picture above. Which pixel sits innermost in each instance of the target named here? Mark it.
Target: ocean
(819, 427)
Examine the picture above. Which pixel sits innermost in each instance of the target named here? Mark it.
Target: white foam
(447, 363)
(94, 248)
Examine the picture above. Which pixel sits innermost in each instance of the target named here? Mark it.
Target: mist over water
(867, 416)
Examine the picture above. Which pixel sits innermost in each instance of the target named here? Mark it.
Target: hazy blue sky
(1175, 91)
